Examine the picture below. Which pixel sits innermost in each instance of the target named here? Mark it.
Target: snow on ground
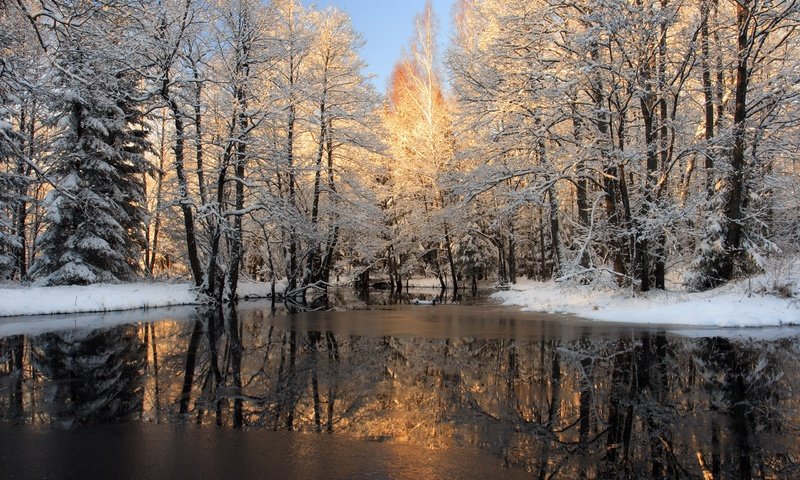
(428, 282)
(23, 300)
(259, 289)
(93, 298)
(740, 304)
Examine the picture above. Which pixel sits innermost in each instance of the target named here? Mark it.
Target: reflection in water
(562, 405)
(97, 375)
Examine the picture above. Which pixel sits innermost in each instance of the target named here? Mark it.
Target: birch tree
(419, 119)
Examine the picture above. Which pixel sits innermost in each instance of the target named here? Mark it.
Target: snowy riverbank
(753, 303)
(22, 300)
(93, 298)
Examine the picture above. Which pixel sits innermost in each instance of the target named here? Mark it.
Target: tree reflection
(747, 385)
(93, 377)
(235, 355)
(191, 359)
(13, 371)
(640, 405)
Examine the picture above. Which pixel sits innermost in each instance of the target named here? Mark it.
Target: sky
(388, 26)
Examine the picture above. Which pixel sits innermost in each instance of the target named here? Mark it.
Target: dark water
(401, 391)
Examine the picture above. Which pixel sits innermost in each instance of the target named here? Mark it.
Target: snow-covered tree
(9, 242)
(345, 141)
(95, 214)
(418, 120)
(600, 112)
(21, 79)
(9, 145)
(751, 146)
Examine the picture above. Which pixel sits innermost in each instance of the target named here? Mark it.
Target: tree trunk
(451, 261)
(211, 286)
(240, 160)
(333, 237)
(611, 181)
(198, 134)
(708, 97)
(20, 223)
(313, 264)
(236, 247)
(159, 194)
(542, 248)
(555, 231)
(734, 207)
(512, 256)
(581, 183)
(501, 254)
(183, 188)
(399, 274)
(292, 273)
(20, 204)
(660, 266)
(641, 244)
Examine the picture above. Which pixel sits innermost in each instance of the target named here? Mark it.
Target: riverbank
(760, 301)
(764, 300)
(29, 300)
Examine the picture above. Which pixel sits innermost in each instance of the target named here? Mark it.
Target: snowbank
(260, 289)
(93, 298)
(734, 305)
(19, 301)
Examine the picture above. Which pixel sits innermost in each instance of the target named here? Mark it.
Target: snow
(740, 304)
(260, 289)
(93, 298)
(22, 301)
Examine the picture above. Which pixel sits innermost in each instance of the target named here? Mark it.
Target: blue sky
(387, 27)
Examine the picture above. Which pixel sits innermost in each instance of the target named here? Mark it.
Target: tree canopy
(643, 143)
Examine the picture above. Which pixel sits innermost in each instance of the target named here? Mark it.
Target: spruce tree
(95, 212)
(8, 187)
(9, 182)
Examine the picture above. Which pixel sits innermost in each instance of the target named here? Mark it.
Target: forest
(644, 144)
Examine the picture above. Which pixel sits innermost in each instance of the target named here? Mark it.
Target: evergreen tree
(8, 186)
(9, 144)
(95, 213)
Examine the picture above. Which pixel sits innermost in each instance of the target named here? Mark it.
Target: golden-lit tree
(418, 118)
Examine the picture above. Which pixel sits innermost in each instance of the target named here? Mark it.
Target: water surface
(400, 391)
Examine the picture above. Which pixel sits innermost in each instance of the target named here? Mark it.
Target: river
(373, 389)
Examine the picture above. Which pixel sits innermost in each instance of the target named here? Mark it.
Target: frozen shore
(748, 303)
(26, 300)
